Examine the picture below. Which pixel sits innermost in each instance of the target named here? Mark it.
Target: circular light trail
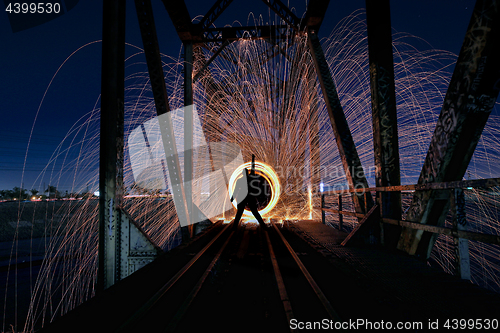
(269, 174)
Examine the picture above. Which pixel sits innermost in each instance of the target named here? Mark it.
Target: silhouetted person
(245, 192)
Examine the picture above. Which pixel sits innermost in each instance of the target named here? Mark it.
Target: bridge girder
(123, 246)
(286, 14)
(214, 13)
(157, 79)
(315, 14)
(471, 95)
(384, 114)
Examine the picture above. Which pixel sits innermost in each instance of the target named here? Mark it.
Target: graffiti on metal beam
(469, 100)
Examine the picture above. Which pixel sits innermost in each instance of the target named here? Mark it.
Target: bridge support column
(384, 115)
(469, 100)
(123, 247)
(462, 257)
(152, 52)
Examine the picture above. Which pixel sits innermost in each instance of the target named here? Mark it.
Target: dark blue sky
(30, 58)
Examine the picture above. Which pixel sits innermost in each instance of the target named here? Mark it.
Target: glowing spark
(286, 105)
(310, 203)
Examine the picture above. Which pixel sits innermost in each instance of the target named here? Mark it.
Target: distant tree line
(51, 192)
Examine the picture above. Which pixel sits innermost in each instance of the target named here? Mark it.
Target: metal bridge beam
(153, 59)
(181, 19)
(111, 141)
(214, 13)
(462, 255)
(347, 149)
(384, 114)
(279, 8)
(207, 63)
(315, 14)
(469, 100)
(123, 246)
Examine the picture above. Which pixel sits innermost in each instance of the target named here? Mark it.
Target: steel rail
(317, 290)
(159, 294)
(281, 285)
(194, 292)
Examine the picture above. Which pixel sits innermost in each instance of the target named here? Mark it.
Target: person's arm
(253, 165)
(238, 188)
(235, 192)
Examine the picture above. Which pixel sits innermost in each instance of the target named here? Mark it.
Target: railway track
(245, 279)
(278, 279)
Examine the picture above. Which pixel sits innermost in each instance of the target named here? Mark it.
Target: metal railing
(458, 231)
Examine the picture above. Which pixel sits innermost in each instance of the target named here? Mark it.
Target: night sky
(31, 57)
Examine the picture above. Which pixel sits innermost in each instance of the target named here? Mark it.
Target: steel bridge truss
(471, 95)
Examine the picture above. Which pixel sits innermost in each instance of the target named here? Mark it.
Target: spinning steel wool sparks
(270, 107)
